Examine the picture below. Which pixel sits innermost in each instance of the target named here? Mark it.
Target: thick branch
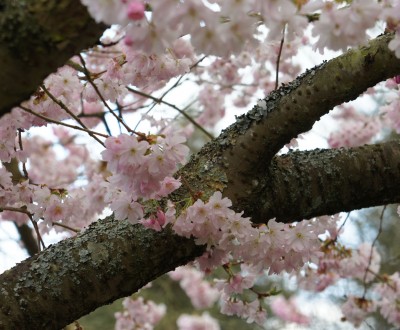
(27, 238)
(109, 260)
(302, 185)
(293, 109)
(36, 38)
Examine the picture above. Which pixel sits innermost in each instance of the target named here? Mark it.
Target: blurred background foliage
(166, 291)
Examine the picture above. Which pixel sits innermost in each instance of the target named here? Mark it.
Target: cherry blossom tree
(248, 202)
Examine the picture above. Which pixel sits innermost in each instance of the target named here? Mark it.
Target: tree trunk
(36, 38)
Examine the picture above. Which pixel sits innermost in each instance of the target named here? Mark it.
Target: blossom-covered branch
(113, 259)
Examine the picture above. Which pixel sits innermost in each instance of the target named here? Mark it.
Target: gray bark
(36, 38)
(302, 185)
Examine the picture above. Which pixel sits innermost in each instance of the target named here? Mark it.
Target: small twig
(160, 100)
(74, 66)
(91, 82)
(21, 148)
(176, 84)
(39, 237)
(76, 230)
(344, 222)
(65, 108)
(279, 58)
(25, 211)
(49, 120)
(15, 209)
(372, 248)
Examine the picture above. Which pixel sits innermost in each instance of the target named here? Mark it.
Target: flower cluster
(200, 292)
(337, 27)
(356, 129)
(230, 238)
(139, 314)
(141, 168)
(276, 246)
(288, 311)
(193, 322)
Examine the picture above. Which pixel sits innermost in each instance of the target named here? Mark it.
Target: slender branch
(279, 58)
(39, 237)
(173, 106)
(75, 230)
(380, 229)
(24, 230)
(29, 241)
(65, 108)
(91, 82)
(24, 170)
(49, 120)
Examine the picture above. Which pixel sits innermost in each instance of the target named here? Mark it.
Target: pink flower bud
(135, 10)
(161, 217)
(128, 41)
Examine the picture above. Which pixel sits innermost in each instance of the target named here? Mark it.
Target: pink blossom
(363, 264)
(192, 322)
(231, 306)
(288, 311)
(355, 310)
(388, 290)
(356, 129)
(151, 223)
(168, 185)
(155, 222)
(254, 313)
(55, 210)
(139, 313)
(236, 284)
(109, 12)
(300, 236)
(212, 259)
(125, 208)
(338, 29)
(200, 292)
(284, 14)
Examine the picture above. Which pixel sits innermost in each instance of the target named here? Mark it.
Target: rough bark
(113, 259)
(293, 109)
(36, 38)
(302, 185)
